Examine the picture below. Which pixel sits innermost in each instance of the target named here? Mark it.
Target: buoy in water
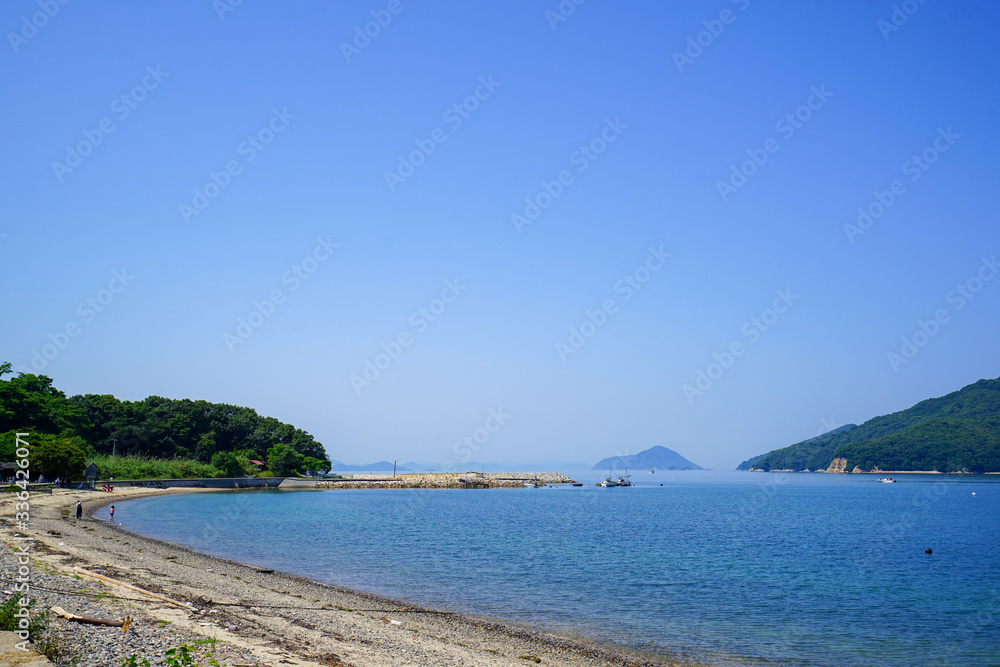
(928, 551)
(973, 493)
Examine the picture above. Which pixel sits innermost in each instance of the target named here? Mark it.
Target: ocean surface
(721, 567)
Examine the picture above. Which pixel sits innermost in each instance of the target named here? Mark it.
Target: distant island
(959, 432)
(654, 457)
(380, 466)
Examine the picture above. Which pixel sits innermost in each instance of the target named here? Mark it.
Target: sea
(719, 568)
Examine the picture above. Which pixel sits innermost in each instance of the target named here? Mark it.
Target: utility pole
(394, 469)
(114, 447)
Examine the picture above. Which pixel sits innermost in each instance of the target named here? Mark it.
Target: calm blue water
(722, 567)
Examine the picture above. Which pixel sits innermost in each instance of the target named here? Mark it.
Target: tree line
(68, 431)
(959, 432)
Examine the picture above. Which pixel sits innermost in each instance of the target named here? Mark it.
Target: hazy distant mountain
(381, 466)
(654, 457)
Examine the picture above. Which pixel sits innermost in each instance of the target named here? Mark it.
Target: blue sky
(635, 226)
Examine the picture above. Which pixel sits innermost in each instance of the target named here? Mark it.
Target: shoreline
(870, 472)
(274, 613)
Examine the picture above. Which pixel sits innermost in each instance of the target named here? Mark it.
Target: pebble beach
(236, 615)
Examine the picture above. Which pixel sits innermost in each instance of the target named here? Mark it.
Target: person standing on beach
(112, 513)
(79, 509)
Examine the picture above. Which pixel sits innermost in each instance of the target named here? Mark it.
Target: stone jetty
(442, 480)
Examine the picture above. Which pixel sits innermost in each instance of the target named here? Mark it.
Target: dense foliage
(953, 433)
(133, 466)
(222, 438)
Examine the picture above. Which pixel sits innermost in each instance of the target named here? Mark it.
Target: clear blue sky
(615, 122)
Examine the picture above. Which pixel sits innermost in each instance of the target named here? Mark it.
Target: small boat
(607, 483)
(887, 480)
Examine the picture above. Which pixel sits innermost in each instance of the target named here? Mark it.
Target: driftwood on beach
(62, 613)
(116, 582)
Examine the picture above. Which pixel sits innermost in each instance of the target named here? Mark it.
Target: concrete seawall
(443, 480)
(428, 480)
(200, 483)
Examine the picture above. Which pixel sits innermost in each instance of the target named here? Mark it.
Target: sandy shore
(257, 617)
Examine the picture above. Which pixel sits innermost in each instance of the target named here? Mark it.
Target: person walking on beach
(112, 514)
(79, 509)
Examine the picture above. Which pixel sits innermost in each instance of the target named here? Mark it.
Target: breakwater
(442, 480)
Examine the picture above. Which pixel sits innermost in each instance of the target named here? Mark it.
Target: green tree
(206, 449)
(283, 460)
(30, 403)
(228, 464)
(313, 464)
(58, 456)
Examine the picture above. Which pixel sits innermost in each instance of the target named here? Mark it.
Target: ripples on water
(724, 567)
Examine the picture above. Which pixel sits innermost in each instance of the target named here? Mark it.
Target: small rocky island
(657, 457)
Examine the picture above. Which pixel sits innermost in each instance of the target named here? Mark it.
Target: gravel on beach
(240, 616)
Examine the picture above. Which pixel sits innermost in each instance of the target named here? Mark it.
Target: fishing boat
(887, 480)
(607, 483)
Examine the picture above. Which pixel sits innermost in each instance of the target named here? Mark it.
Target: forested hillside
(953, 433)
(66, 429)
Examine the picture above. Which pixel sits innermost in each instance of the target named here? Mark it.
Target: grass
(145, 467)
(37, 627)
(8, 621)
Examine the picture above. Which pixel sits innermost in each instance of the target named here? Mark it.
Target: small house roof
(257, 463)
